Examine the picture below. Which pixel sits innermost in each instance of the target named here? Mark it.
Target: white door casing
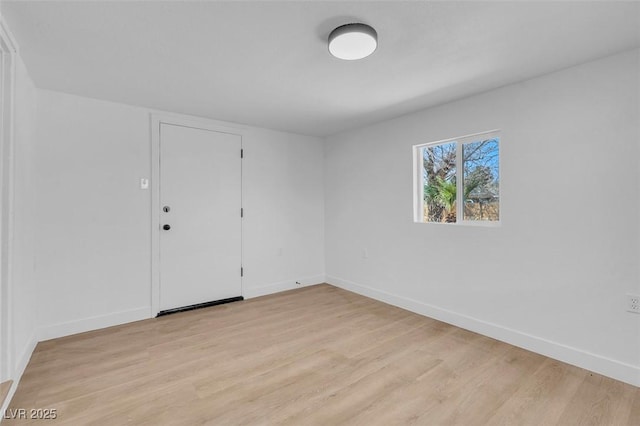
(8, 51)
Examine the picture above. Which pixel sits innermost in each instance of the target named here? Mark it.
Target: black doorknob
(166, 227)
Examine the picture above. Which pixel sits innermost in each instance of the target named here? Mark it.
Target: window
(458, 180)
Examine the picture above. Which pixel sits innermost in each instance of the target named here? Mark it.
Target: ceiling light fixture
(353, 41)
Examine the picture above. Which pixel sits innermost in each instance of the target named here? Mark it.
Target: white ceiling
(266, 63)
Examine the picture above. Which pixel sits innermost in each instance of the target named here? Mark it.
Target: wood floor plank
(542, 397)
(314, 356)
(4, 390)
(598, 401)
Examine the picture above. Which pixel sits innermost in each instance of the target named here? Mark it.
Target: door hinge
(241, 271)
(242, 153)
(241, 212)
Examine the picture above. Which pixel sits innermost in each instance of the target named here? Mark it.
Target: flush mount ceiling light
(353, 41)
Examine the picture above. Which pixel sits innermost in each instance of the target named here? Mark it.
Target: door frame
(8, 53)
(156, 120)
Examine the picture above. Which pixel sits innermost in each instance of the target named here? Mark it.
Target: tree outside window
(460, 180)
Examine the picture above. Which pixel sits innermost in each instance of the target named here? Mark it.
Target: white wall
(553, 277)
(283, 198)
(93, 221)
(92, 228)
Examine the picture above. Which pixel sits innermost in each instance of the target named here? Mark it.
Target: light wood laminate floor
(4, 390)
(314, 356)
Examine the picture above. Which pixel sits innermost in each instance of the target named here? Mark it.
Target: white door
(200, 216)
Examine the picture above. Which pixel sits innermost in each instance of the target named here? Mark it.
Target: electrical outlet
(633, 303)
(365, 253)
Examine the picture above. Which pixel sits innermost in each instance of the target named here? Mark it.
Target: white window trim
(418, 197)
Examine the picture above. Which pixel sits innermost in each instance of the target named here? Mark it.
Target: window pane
(481, 180)
(439, 182)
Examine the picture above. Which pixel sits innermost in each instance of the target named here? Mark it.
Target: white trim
(7, 36)
(21, 366)
(155, 217)
(25, 356)
(263, 290)
(156, 119)
(200, 123)
(460, 182)
(92, 323)
(462, 139)
(600, 364)
(8, 49)
(418, 186)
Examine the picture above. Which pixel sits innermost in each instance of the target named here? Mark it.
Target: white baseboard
(606, 366)
(20, 366)
(263, 290)
(93, 323)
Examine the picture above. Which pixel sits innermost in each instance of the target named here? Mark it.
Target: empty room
(320, 212)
